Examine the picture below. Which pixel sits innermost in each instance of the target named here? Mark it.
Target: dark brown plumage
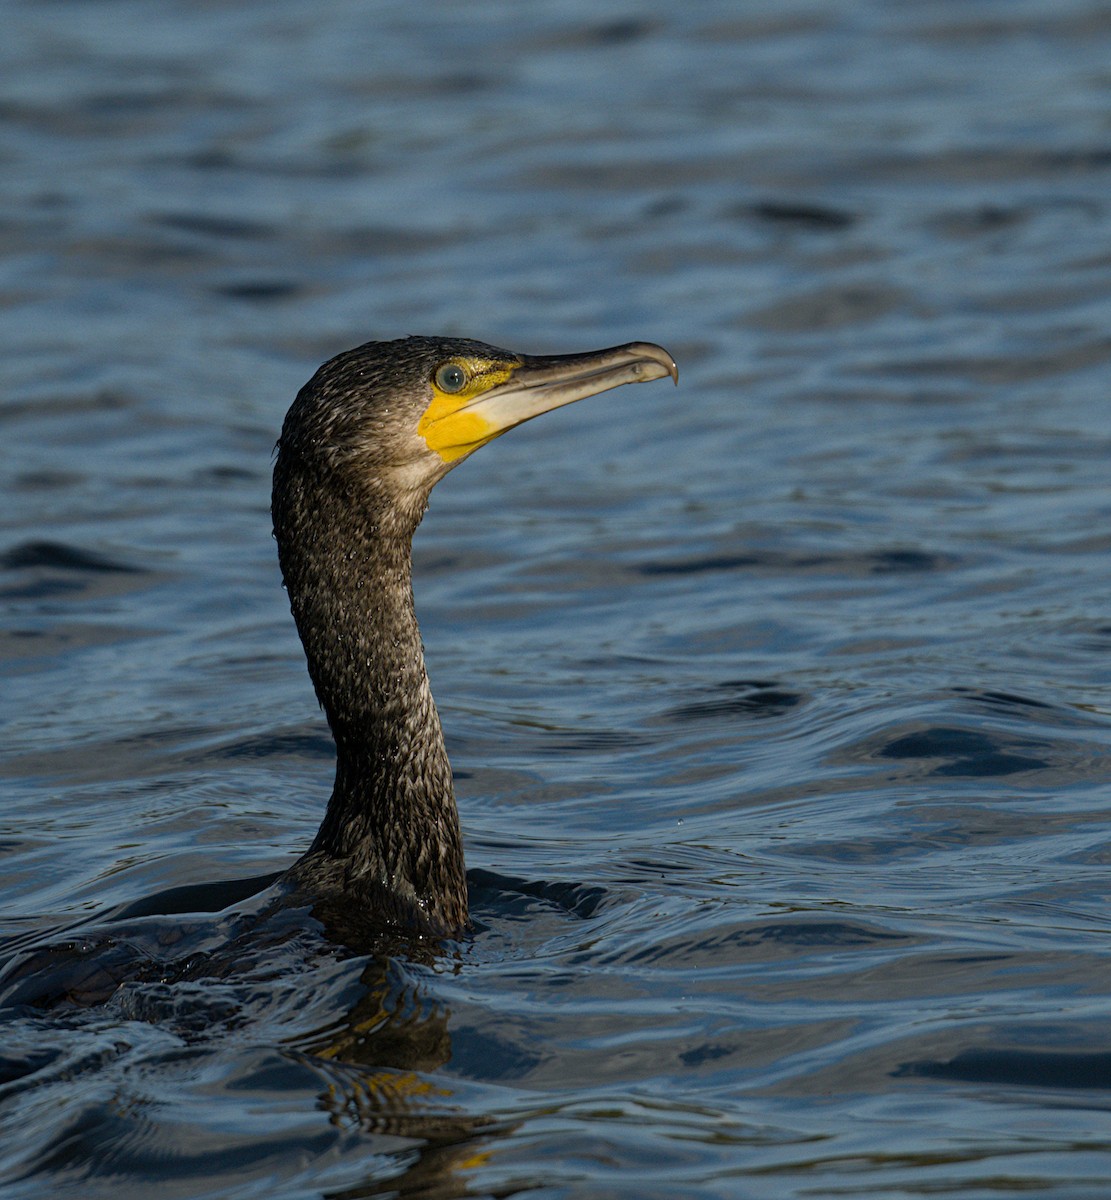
(361, 448)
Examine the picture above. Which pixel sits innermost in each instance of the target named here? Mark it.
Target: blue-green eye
(451, 378)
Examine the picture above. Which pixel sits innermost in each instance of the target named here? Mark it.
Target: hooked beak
(537, 386)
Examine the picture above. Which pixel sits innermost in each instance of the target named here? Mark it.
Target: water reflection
(367, 1027)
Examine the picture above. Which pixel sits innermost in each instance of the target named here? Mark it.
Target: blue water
(780, 705)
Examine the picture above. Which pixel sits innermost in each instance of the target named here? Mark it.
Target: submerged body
(364, 443)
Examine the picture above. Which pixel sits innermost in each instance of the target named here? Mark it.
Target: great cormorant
(362, 446)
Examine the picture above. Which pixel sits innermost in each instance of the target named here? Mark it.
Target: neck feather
(391, 833)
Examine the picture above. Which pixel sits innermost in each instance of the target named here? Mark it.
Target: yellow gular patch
(447, 425)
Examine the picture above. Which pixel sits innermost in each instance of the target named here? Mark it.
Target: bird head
(405, 412)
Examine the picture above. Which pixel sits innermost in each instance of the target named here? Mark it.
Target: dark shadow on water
(965, 752)
(58, 556)
(259, 290)
(44, 570)
(207, 225)
(311, 744)
(1001, 700)
(737, 698)
(512, 896)
(196, 898)
(1020, 1068)
(796, 213)
(877, 562)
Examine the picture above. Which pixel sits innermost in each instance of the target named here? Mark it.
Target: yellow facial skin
(446, 424)
(500, 393)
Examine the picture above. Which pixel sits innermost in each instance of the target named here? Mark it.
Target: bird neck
(391, 832)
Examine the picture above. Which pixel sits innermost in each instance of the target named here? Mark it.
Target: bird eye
(451, 378)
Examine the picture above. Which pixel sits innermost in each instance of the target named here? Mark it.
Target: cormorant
(361, 448)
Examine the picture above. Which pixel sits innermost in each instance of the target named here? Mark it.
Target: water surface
(779, 704)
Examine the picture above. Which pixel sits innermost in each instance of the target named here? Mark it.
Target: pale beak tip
(656, 359)
(670, 368)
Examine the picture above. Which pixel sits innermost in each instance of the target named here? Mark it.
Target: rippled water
(780, 705)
